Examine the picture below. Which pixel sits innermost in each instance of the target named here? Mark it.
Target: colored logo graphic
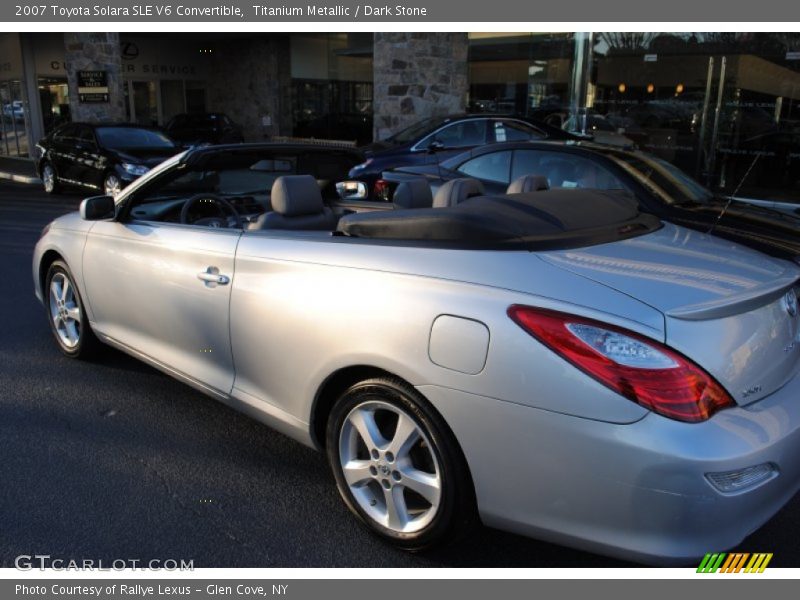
(735, 562)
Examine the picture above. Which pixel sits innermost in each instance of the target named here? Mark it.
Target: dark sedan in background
(433, 140)
(99, 156)
(204, 128)
(661, 188)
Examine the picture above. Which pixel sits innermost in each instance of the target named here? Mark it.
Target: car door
(87, 168)
(61, 153)
(163, 290)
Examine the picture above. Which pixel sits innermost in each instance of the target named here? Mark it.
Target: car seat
(297, 205)
(456, 191)
(528, 183)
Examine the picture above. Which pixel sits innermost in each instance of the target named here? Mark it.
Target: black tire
(87, 344)
(456, 513)
(52, 187)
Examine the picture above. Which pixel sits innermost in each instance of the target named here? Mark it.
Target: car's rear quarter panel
(301, 311)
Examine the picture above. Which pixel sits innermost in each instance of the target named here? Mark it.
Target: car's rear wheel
(50, 179)
(68, 320)
(112, 185)
(397, 465)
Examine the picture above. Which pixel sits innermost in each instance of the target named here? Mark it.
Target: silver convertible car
(553, 363)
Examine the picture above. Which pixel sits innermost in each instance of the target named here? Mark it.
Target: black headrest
(413, 193)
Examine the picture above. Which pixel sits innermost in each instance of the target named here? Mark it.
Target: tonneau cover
(558, 218)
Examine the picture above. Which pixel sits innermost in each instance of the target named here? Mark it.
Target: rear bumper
(635, 491)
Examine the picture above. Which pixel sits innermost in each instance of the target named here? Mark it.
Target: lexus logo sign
(130, 51)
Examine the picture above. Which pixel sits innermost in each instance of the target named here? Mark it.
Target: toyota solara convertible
(553, 363)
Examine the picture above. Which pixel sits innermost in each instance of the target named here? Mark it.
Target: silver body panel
(552, 452)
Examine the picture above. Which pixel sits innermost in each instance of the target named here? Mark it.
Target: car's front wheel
(68, 320)
(50, 179)
(397, 465)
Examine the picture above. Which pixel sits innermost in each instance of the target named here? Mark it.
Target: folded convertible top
(557, 218)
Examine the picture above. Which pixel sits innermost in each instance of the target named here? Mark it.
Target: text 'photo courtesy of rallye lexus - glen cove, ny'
(561, 361)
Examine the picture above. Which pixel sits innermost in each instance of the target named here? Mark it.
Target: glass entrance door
(144, 103)
(13, 133)
(754, 146)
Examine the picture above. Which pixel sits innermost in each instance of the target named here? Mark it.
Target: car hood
(723, 303)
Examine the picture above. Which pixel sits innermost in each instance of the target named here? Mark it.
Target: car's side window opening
(564, 170)
(471, 132)
(513, 131)
(204, 191)
(492, 166)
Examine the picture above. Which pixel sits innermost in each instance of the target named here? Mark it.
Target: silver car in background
(588, 376)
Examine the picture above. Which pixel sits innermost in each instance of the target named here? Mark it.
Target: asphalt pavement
(111, 459)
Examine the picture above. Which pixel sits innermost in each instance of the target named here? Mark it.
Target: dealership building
(717, 105)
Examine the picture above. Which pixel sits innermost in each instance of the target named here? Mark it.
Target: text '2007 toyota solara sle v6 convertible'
(554, 363)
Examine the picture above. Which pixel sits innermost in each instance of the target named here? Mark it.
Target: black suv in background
(100, 156)
(204, 128)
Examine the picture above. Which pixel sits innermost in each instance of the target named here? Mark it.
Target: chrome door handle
(212, 277)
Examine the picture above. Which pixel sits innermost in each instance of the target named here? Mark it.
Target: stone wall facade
(251, 82)
(90, 52)
(417, 75)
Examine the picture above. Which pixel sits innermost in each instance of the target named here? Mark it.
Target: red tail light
(641, 369)
(381, 189)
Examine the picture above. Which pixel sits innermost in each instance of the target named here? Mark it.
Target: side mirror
(97, 208)
(352, 190)
(435, 146)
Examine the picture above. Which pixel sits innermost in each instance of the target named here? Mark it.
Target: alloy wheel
(49, 179)
(389, 466)
(65, 311)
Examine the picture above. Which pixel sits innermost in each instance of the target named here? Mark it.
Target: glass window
(514, 131)
(173, 100)
(65, 133)
(720, 106)
(520, 73)
(564, 170)
(493, 166)
(409, 134)
(86, 136)
(54, 100)
(132, 137)
(470, 132)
